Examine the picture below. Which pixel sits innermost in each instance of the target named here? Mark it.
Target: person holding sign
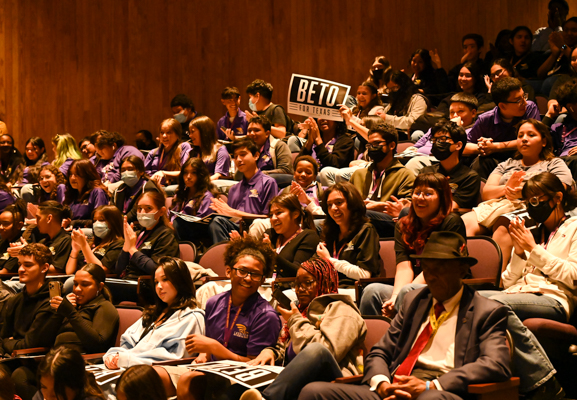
(239, 322)
(321, 339)
(259, 101)
(368, 101)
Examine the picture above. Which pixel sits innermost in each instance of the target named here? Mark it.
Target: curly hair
(250, 246)
(87, 171)
(324, 273)
(60, 180)
(414, 232)
(202, 185)
(42, 255)
(258, 86)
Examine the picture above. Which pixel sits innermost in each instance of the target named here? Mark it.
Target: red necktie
(407, 366)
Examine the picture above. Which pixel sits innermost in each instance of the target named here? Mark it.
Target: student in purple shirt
(493, 137)
(239, 322)
(6, 197)
(84, 192)
(35, 158)
(206, 147)
(163, 163)
(250, 198)
(234, 122)
(52, 185)
(110, 151)
(193, 197)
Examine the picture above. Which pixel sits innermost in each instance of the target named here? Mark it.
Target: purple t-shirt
(66, 166)
(203, 210)
(109, 170)
(26, 175)
(424, 143)
(222, 163)
(152, 163)
(265, 162)
(96, 198)
(5, 199)
(566, 133)
(256, 328)
(239, 125)
(60, 192)
(253, 196)
(490, 125)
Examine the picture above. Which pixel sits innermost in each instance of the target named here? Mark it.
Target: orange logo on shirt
(241, 331)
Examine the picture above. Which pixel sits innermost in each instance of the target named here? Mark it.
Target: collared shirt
(60, 247)
(203, 210)
(565, 135)
(256, 327)
(491, 125)
(153, 164)
(222, 163)
(83, 210)
(239, 125)
(265, 161)
(253, 196)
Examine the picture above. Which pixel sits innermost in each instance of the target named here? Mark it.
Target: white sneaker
(251, 394)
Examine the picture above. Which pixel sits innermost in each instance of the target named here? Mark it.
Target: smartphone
(282, 299)
(55, 288)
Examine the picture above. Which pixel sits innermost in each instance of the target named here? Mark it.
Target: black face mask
(441, 151)
(377, 155)
(541, 212)
(378, 74)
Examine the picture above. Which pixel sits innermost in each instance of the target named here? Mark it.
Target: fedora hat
(446, 246)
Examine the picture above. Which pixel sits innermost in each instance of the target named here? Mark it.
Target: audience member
(6, 197)
(406, 102)
(52, 184)
(430, 211)
(88, 321)
(350, 241)
(11, 223)
(502, 193)
(524, 61)
(206, 147)
(368, 100)
(144, 140)
(34, 158)
(234, 122)
(111, 150)
(11, 160)
(377, 74)
(184, 111)
(87, 147)
(557, 11)
(158, 335)
(140, 382)
(65, 152)
(502, 68)
(470, 81)
(472, 51)
(141, 253)
(402, 363)
(84, 192)
(259, 101)
(428, 74)
(106, 246)
(502, 47)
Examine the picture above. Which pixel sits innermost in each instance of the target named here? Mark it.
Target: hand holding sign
(346, 113)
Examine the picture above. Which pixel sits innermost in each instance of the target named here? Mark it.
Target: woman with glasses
(321, 338)
(502, 193)
(502, 68)
(430, 211)
(239, 322)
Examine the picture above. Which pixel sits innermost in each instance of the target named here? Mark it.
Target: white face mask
(146, 220)
(180, 117)
(130, 178)
(100, 229)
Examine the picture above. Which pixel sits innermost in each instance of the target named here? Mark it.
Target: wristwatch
(564, 47)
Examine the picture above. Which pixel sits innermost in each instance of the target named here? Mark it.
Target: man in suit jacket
(467, 344)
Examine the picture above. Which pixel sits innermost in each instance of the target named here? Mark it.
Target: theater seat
(388, 268)
(214, 258)
(187, 251)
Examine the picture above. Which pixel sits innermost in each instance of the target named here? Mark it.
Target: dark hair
(178, 274)
(476, 37)
(414, 233)
(401, 99)
(250, 246)
(182, 100)
(18, 210)
(94, 137)
(292, 204)
(36, 142)
(467, 99)
(387, 132)
(115, 222)
(147, 134)
(386, 67)
(173, 163)
(572, 19)
(230, 93)
(68, 369)
(141, 382)
(4, 184)
(522, 28)
(54, 208)
(310, 160)
(456, 132)
(376, 101)
(136, 162)
(426, 57)
(202, 185)
(99, 276)
(159, 200)
(547, 152)
(261, 87)
(246, 143)
(87, 171)
(7, 390)
(567, 93)
(208, 137)
(356, 207)
(109, 139)
(371, 121)
(41, 254)
(477, 74)
(564, 5)
(506, 65)
(503, 88)
(262, 121)
(549, 184)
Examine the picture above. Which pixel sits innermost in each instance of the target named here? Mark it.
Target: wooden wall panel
(78, 66)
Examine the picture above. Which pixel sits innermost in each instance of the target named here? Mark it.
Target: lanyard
(436, 323)
(141, 238)
(554, 232)
(228, 329)
(372, 188)
(279, 247)
(564, 134)
(335, 254)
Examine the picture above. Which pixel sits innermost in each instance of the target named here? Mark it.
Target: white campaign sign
(315, 97)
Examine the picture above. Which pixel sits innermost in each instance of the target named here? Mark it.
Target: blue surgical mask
(130, 178)
(146, 220)
(251, 105)
(180, 117)
(100, 229)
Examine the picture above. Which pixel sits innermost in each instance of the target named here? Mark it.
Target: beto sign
(315, 97)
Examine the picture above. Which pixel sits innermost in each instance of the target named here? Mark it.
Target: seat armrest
(483, 388)
(31, 350)
(350, 380)
(478, 281)
(93, 356)
(182, 361)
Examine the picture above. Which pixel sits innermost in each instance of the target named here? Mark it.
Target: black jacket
(343, 153)
(302, 247)
(124, 190)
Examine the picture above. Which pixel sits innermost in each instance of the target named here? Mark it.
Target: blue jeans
(530, 362)
(375, 294)
(219, 229)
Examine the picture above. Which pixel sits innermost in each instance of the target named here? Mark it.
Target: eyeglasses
(375, 146)
(535, 200)
(440, 139)
(520, 101)
(308, 285)
(243, 273)
(495, 74)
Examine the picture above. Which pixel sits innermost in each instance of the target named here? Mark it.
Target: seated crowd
(307, 202)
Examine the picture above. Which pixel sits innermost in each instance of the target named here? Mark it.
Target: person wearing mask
(110, 151)
(184, 112)
(377, 74)
(260, 103)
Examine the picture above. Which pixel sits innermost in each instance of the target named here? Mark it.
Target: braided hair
(324, 273)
